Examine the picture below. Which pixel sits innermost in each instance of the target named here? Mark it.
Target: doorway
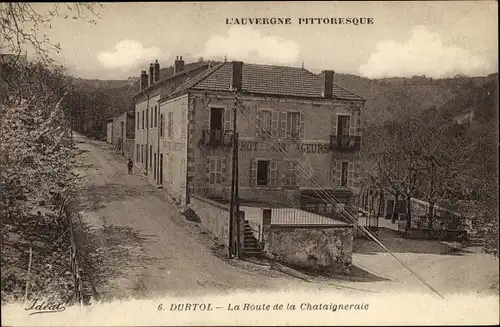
(161, 169)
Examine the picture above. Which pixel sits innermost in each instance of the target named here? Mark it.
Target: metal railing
(216, 137)
(288, 206)
(345, 142)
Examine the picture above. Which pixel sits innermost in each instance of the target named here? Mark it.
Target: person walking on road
(130, 165)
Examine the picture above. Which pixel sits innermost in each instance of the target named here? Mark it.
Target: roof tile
(265, 79)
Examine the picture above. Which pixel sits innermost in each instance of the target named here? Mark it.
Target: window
(343, 181)
(343, 125)
(267, 123)
(142, 153)
(137, 120)
(147, 118)
(263, 172)
(156, 116)
(137, 153)
(290, 174)
(170, 123)
(152, 118)
(293, 124)
(216, 170)
(345, 173)
(162, 124)
(143, 119)
(216, 117)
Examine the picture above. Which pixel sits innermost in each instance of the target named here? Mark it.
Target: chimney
(144, 80)
(237, 75)
(178, 65)
(156, 71)
(151, 74)
(328, 84)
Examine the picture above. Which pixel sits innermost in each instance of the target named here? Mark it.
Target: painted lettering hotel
(184, 125)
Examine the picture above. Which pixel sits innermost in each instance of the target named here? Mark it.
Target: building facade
(149, 122)
(298, 134)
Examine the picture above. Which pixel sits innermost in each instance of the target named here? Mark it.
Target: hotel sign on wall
(313, 148)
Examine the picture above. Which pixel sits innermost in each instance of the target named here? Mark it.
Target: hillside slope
(398, 98)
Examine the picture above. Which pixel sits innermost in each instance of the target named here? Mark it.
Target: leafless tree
(21, 24)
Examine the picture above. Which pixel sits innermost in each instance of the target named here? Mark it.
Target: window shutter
(218, 170)
(282, 173)
(183, 123)
(223, 169)
(302, 126)
(258, 123)
(334, 124)
(253, 172)
(295, 174)
(338, 173)
(227, 120)
(206, 117)
(352, 125)
(207, 175)
(358, 125)
(273, 172)
(274, 123)
(350, 174)
(357, 171)
(283, 125)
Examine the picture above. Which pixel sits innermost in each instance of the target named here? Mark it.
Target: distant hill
(387, 99)
(102, 84)
(396, 98)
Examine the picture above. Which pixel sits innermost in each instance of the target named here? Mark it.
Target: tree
(379, 161)
(21, 23)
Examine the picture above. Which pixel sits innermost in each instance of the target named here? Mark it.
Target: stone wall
(325, 248)
(214, 216)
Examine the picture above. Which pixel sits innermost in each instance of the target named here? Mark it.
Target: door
(122, 137)
(154, 170)
(161, 169)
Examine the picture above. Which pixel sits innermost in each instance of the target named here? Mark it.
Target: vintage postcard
(249, 163)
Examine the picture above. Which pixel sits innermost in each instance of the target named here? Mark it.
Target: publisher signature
(38, 306)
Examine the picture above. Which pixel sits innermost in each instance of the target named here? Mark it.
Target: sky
(435, 39)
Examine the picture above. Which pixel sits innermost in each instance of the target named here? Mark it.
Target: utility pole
(234, 207)
(236, 193)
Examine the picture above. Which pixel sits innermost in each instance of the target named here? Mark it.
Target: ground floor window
(216, 170)
(263, 172)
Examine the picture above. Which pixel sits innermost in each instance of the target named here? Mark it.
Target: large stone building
(149, 123)
(285, 115)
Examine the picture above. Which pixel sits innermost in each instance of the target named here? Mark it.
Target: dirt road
(140, 246)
